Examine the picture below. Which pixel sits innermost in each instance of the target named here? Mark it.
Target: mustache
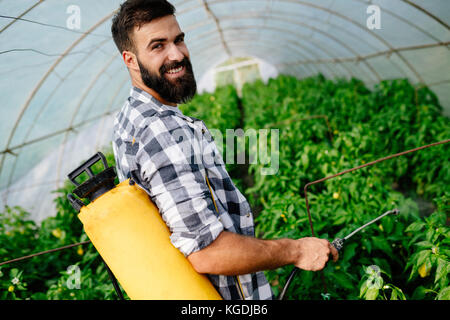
(174, 65)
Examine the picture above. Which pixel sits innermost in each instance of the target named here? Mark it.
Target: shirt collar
(151, 101)
(147, 98)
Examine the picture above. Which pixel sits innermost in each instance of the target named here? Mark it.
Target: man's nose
(175, 53)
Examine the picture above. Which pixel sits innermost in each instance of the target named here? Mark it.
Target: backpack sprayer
(125, 227)
(338, 243)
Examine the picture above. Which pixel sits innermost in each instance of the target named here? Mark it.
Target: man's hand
(233, 254)
(314, 253)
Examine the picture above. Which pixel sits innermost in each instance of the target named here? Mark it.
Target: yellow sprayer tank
(126, 228)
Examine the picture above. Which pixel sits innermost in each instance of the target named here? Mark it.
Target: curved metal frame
(314, 42)
(80, 102)
(104, 115)
(408, 22)
(427, 13)
(372, 55)
(264, 44)
(219, 29)
(47, 101)
(267, 45)
(308, 39)
(279, 15)
(40, 83)
(70, 127)
(366, 31)
(21, 15)
(74, 127)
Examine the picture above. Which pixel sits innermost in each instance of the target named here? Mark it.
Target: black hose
(288, 283)
(114, 282)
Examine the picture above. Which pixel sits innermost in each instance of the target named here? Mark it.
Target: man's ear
(130, 60)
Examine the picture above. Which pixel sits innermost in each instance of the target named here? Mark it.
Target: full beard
(181, 90)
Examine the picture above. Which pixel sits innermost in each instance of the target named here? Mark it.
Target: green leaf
(422, 256)
(383, 245)
(14, 272)
(352, 188)
(394, 295)
(388, 224)
(397, 293)
(420, 293)
(349, 251)
(290, 209)
(305, 160)
(371, 294)
(340, 220)
(415, 226)
(367, 244)
(430, 234)
(424, 244)
(444, 294)
(442, 269)
(342, 279)
(363, 289)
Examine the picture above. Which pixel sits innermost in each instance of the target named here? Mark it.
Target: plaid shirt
(175, 160)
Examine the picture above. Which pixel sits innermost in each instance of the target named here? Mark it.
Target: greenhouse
(351, 97)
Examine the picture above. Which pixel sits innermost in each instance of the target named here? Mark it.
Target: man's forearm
(234, 254)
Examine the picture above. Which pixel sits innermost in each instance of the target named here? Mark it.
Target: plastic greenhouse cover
(62, 78)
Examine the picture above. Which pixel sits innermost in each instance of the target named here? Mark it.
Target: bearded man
(165, 152)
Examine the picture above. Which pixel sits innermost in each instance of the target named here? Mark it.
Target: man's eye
(159, 45)
(179, 40)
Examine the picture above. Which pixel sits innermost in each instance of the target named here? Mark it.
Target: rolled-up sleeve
(167, 160)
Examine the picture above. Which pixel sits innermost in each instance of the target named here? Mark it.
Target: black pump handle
(86, 167)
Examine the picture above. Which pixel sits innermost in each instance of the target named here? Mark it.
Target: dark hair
(134, 13)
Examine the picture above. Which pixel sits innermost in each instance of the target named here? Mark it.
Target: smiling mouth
(175, 70)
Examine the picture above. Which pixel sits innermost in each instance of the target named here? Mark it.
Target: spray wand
(338, 243)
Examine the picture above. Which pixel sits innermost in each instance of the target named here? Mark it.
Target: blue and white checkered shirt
(175, 160)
